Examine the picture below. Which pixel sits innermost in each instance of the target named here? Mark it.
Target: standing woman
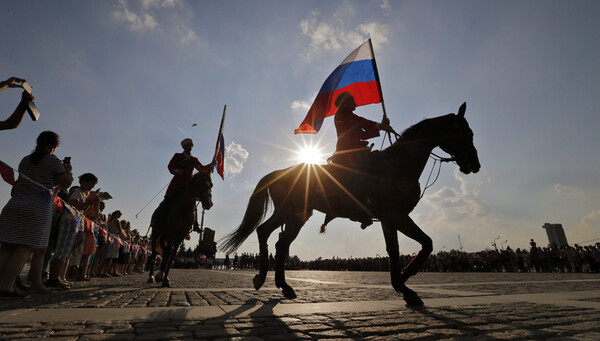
(26, 218)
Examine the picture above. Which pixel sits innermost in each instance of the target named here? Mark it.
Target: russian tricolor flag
(219, 157)
(358, 75)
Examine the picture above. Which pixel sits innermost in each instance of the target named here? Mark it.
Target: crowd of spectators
(60, 228)
(574, 258)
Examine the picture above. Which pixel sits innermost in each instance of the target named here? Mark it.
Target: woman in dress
(26, 218)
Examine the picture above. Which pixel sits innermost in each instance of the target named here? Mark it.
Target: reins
(436, 160)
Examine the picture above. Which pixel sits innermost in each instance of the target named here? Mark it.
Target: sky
(123, 82)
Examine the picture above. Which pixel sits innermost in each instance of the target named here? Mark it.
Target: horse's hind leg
(282, 248)
(264, 231)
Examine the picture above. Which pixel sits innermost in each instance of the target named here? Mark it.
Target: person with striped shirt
(25, 219)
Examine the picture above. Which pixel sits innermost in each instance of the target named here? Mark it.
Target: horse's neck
(185, 200)
(413, 154)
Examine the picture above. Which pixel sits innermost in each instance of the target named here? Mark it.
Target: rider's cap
(186, 142)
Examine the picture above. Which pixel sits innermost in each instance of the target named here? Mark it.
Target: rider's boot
(367, 221)
(196, 228)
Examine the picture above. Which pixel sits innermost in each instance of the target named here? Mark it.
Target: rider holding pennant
(355, 82)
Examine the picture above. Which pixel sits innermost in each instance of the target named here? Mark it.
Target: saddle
(353, 171)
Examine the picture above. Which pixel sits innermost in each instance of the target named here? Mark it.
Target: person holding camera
(15, 119)
(25, 220)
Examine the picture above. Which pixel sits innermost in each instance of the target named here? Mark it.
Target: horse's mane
(416, 130)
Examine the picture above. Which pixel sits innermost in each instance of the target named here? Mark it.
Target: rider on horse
(352, 152)
(182, 166)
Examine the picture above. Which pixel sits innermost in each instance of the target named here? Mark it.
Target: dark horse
(392, 186)
(170, 227)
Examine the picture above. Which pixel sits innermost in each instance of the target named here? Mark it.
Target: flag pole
(387, 133)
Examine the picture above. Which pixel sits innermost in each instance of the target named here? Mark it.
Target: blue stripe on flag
(346, 74)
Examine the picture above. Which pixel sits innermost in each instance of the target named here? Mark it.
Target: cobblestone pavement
(222, 305)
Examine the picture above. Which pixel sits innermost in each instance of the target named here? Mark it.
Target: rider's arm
(370, 128)
(200, 167)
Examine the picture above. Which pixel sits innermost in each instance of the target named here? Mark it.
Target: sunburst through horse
(171, 226)
(392, 187)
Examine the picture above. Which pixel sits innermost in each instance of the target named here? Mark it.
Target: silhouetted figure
(182, 167)
(352, 153)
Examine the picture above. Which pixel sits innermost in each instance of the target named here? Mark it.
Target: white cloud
(160, 3)
(455, 205)
(588, 229)
(300, 105)
(567, 190)
(235, 157)
(136, 22)
(187, 35)
(326, 36)
(168, 16)
(385, 4)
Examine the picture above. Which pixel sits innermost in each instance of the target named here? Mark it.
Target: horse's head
(458, 142)
(201, 188)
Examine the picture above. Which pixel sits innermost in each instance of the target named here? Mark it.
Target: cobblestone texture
(195, 288)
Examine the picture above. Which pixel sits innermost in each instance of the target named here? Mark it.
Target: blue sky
(122, 82)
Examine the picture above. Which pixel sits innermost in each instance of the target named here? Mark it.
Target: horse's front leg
(164, 264)
(264, 231)
(166, 282)
(282, 248)
(398, 280)
(411, 230)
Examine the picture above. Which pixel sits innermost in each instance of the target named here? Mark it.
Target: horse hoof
(258, 282)
(150, 279)
(289, 293)
(413, 300)
(166, 284)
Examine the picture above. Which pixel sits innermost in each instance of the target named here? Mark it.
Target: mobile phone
(67, 160)
(33, 111)
(27, 87)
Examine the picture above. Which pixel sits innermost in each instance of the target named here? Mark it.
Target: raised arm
(17, 116)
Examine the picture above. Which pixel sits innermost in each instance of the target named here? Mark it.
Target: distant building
(208, 235)
(556, 234)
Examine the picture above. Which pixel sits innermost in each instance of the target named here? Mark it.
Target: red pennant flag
(59, 204)
(7, 173)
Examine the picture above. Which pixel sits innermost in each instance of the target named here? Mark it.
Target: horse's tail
(255, 212)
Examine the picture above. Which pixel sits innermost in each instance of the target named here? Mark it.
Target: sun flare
(310, 155)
